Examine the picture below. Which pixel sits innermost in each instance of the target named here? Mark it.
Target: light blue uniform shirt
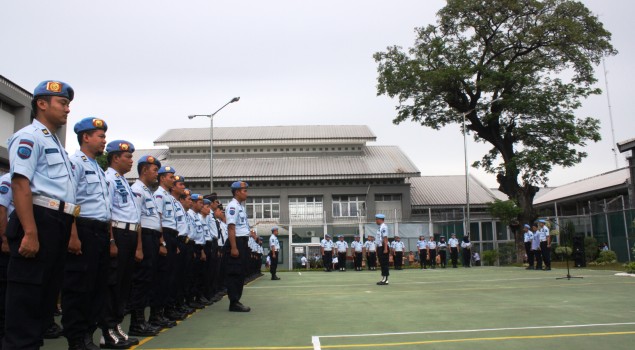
(92, 188)
(528, 236)
(370, 246)
(166, 208)
(543, 232)
(535, 241)
(236, 215)
(207, 229)
(197, 234)
(357, 246)
(398, 246)
(6, 199)
(35, 153)
(181, 218)
(222, 235)
(274, 242)
(327, 244)
(422, 244)
(211, 223)
(150, 217)
(124, 206)
(342, 246)
(382, 231)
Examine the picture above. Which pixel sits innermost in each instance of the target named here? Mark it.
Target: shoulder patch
(232, 210)
(26, 142)
(24, 152)
(4, 189)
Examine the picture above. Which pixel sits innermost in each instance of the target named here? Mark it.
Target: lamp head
(235, 99)
(191, 116)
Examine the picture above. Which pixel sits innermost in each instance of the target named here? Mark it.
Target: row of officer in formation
(537, 245)
(108, 247)
(431, 253)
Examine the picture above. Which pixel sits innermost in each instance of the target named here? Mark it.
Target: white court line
(316, 343)
(474, 330)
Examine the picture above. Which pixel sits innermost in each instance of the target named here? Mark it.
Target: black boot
(53, 332)
(172, 314)
(236, 306)
(126, 337)
(76, 344)
(138, 325)
(157, 319)
(111, 339)
(88, 342)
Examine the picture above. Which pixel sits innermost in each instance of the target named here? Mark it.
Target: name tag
(51, 150)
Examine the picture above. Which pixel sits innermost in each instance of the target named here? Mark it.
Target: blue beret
(239, 184)
(527, 226)
(327, 235)
(196, 196)
(543, 221)
(275, 228)
(380, 216)
(207, 201)
(149, 160)
(340, 236)
(54, 88)
(179, 178)
(166, 169)
(90, 123)
(119, 146)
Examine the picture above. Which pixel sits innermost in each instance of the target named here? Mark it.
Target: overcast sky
(144, 66)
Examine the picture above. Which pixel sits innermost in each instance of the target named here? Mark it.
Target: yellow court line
(414, 343)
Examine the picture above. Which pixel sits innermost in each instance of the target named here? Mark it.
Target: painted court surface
(476, 308)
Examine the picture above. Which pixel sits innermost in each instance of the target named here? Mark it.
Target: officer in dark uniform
(274, 252)
(86, 270)
(125, 245)
(326, 248)
(237, 252)
(39, 228)
(152, 244)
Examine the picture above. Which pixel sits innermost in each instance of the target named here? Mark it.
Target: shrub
(607, 256)
(507, 253)
(630, 267)
(490, 257)
(590, 248)
(563, 252)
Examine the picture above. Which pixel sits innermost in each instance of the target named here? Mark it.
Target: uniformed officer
(342, 249)
(422, 246)
(170, 185)
(87, 260)
(197, 240)
(6, 208)
(274, 251)
(528, 236)
(535, 246)
(145, 271)
(454, 249)
(382, 247)
(370, 247)
(545, 243)
(219, 217)
(443, 251)
(186, 248)
(432, 251)
(397, 248)
(358, 249)
(125, 247)
(466, 248)
(326, 249)
(210, 249)
(237, 252)
(38, 231)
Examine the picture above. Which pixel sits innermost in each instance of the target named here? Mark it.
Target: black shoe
(53, 332)
(57, 312)
(124, 336)
(218, 297)
(205, 301)
(157, 319)
(529, 268)
(174, 315)
(76, 344)
(195, 305)
(112, 340)
(238, 307)
(275, 278)
(548, 269)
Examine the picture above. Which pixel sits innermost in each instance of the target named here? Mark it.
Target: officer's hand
(203, 256)
(5, 245)
(138, 255)
(163, 251)
(234, 252)
(178, 251)
(29, 246)
(113, 250)
(74, 245)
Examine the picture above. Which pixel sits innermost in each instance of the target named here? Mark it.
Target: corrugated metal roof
(447, 190)
(262, 133)
(499, 194)
(159, 153)
(595, 183)
(376, 162)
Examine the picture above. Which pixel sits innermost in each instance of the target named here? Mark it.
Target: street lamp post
(467, 171)
(211, 139)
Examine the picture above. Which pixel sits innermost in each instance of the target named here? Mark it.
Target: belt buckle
(187, 239)
(76, 211)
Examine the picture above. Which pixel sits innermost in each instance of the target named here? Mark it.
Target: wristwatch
(164, 244)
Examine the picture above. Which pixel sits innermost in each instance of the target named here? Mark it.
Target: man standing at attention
(274, 250)
(454, 249)
(358, 247)
(545, 244)
(342, 249)
(382, 248)
(326, 248)
(237, 252)
(397, 251)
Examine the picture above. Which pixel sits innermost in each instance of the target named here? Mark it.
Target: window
(263, 207)
(349, 206)
(387, 197)
(306, 208)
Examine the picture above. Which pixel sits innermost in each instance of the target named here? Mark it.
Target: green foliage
(507, 252)
(516, 70)
(590, 248)
(607, 256)
(563, 252)
(102, 160)
(507, 211)
(489, 257)
(630, 267)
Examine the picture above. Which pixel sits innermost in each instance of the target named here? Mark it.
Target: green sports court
(475, 308)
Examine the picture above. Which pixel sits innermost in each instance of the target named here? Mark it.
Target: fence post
(628, 244)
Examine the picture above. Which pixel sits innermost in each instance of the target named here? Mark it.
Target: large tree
(517, 70)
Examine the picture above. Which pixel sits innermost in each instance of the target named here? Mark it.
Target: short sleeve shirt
(92, 188)
(382, 231)
(236, 215)
(6, 199)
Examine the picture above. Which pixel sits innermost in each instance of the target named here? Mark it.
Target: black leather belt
(92, 223)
